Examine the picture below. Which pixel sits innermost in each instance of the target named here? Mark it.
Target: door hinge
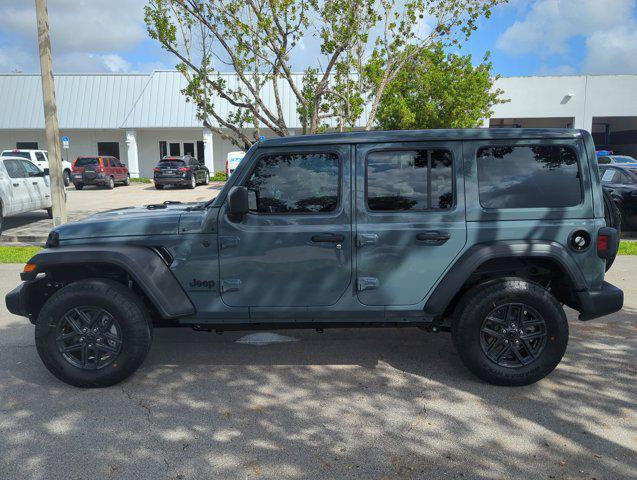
(228, 242)
(230, 285)
(363, 239)
(367, 283)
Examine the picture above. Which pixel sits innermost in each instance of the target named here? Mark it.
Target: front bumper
(17, 300)
(597, 303)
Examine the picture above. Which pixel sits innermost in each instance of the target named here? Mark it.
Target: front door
(39, 192)
(410, 219)
(16, 189)
(294, 247)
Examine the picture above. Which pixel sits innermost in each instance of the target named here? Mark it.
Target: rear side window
(409, 180)
(532, 176)
(295, 183)
(83, 162)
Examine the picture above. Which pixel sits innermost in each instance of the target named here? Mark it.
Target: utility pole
(58, 194)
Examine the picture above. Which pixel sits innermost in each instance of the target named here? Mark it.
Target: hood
(157, 219)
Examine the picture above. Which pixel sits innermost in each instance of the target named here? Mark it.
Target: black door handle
(433, 238)
(329, 237)
(16, 184)
(34, 183)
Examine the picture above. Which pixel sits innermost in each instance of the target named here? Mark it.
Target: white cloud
(551, 23)
(613, 51)
(608, 27)
(86, 35)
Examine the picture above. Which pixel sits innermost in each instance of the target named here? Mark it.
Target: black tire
(480, 302)
(613, 217)
(118, 301)
(1, 217)
(66, 178)
(159, 186)
(207, 178)
(127, 181)
(193, 182)
(49, 212)
(111, 183)
(79, 186)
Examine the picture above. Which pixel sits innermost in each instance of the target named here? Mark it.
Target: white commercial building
(141, 117)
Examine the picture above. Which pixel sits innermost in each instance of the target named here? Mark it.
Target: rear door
(39, 193)
(410, 219)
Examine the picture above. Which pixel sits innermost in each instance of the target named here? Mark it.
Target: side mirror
(46, 172)
(237, 202)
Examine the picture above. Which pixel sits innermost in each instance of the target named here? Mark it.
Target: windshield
(82, 162)
(623, 159)
(26, 155)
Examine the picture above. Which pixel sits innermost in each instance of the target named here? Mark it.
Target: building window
(399, 180)
(163, 149)
(108, 149)
(200, 152)
(175, 150)
(533, 176)
(26, 145)
(189, 149)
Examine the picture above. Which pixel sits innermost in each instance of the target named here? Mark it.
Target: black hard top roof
(377, 136)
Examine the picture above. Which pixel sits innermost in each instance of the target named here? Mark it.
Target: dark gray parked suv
(184, 171)
(485, 233)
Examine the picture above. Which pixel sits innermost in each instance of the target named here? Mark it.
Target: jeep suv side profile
(485, 233)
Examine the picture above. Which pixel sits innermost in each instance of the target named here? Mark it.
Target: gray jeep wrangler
(485, 233)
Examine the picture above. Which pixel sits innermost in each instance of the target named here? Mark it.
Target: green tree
(437, 90)
(254, 39)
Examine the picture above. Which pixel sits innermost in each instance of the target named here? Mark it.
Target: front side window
(31, 169)
(14, 168)
(295, 183)
(409, 180)
(532, 176)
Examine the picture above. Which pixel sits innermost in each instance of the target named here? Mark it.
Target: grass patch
(140, 180)
(627, 247)
(219, 177)
(17, 254)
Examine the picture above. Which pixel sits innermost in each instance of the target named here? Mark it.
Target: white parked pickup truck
(41, 159)
(23, 187)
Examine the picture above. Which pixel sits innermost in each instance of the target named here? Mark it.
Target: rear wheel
(49, 212)
(66, 177)
(159, 186)
(93, 333)
(79, 186)
(510, 332)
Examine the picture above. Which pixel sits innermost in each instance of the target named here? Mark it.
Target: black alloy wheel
(89, 337)
(513, 335)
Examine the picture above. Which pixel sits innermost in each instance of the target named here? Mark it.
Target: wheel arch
(532, 260)
(141, 268)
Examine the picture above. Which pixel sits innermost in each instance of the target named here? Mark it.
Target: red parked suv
(103, 171)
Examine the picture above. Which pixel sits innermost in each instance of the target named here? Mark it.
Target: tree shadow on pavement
(370, 403)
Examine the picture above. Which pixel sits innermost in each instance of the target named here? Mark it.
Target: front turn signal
(29, 267)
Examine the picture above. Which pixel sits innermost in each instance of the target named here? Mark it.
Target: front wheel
(111, 183)
(93, 333)
(510, 332)
(127, 181)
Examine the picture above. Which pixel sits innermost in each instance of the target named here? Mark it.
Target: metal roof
(83, 100)
(375, 136)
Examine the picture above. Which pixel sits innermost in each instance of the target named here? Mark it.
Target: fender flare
(144, 266)
(477, 255)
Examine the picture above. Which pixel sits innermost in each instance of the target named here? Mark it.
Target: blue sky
(525, 37)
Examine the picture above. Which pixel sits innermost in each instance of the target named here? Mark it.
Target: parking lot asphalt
(35, 226)
(368, 403)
